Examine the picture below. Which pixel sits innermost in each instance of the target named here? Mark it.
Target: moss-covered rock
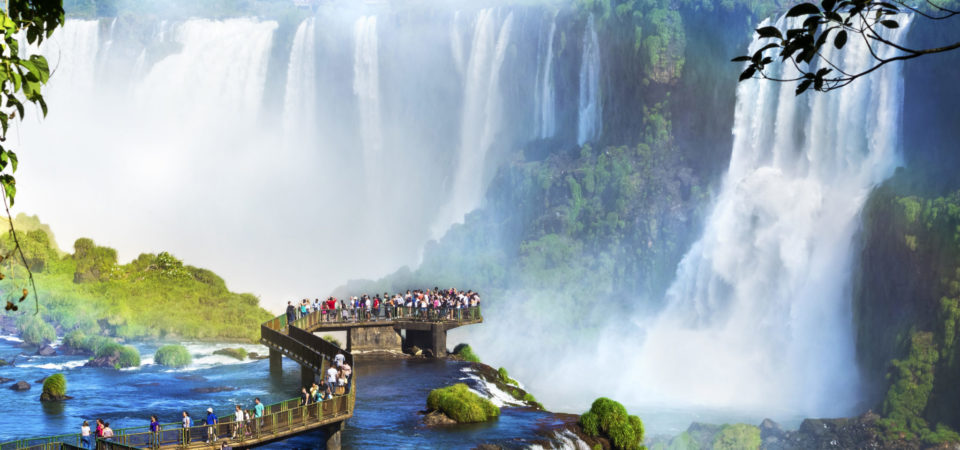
(609, 419)
(237, 353)
(54, 388)
(466, 353)
(505, 377)
(172, 355)
(461, 404)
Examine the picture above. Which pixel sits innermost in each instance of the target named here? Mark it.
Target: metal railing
(319, 318)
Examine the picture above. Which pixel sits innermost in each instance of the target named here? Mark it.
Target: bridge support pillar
(333, 435)
(307, 376)
(439, 340)
(433, 339)
(276, 361)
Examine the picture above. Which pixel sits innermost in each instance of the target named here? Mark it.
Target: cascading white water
(590, 110)
(544, 110)
(481, 119)
(366, 87)
(300, 97)
(759, 315)
(71, 53)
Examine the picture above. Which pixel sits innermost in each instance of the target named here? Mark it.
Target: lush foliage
(236, 352)
(153, 296)
(505, 377)
(55, 385)
(35, 331)
(909, 319)
(127, 356)
(464, 351)
(737, 437)
(609, 419)
(461, 404)
(173, 355)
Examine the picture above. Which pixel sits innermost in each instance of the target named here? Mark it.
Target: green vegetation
(908, 319)
(609, 419)
(461, 404)
(154, 296)
(332, 340)
(172, 355)
(464, 351)
(737, 437)
(55, 385)
(34, 331)
(237, 352)
(127, 356)
(505, 377)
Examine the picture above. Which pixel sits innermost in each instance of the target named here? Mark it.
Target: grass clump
(609, 419)
(127, 356)
(55, 385)
(461, 405)
(237, 353)
(464, 351)
(35, 331)
(332, 340)
(738, 436)
(505, 377)
(173, 355)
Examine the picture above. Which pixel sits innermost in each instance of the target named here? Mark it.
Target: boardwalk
(284, 419)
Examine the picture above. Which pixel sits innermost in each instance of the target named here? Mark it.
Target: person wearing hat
(211, 426)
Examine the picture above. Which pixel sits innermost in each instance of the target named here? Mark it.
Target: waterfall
(366, 86)
(481, 117)
(545, 114)
(300, 97)
(590, 113)
(72, 54)
(759, 315)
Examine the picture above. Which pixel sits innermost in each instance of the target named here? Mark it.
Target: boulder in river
(437, 418)
(5, 380)
(237, 353)
(20, 386)
(40, 381)
(46, 350)
(256, 356)
(110, 361)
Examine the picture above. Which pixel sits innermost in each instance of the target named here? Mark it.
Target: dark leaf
(769, 32)
(803, 9)
(828, 4)
(840, 40)
(740, 59)
(748, 73)
(890, 23)
(804, 85)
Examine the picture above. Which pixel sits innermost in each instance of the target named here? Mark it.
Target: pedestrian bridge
(282, 420)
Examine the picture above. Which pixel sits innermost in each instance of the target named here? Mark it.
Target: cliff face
(907, 305)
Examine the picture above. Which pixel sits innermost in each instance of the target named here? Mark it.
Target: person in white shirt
(339, 359)
(85, 435)
(332, 377)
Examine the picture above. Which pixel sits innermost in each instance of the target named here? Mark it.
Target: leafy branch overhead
(800, 42)
(25, 24)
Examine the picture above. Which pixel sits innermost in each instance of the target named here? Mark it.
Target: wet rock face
(46, 350)
(48, 397)
(437, 418)
(856, 432)
(211, 390)
(20, 386)
(109, 361)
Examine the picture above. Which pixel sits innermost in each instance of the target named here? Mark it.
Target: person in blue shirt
(258, 413)
(211, 426)
(154, 432)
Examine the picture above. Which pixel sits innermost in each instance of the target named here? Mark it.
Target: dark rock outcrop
(211, 390)
(109, 361)
(47, 397)
(199, 378)
(5, 380)
(256, 356)
(20, 386)
(437, 418)
(46, 350)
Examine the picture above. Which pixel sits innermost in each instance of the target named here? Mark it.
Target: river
(390, 395)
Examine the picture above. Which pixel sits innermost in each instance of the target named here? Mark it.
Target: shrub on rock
(54, 388)
(237, 353)
(461, 404)
(464, 351)
(609, 419)
(172, 355)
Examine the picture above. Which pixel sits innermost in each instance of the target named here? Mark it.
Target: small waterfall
(72, 55)
(482, 116)
(456, 42)
(759, 315)
(366, 86)
(590, 111)
(299, 100)
(544, 111)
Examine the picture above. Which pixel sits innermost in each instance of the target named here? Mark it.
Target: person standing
(85, 435)
(99, 430)
(186, 428)
(258, 413)
(154, 432)
(107, 431)
(291, 313)
(211, 426)
(237, 422)
(332, 378)
(347, 373)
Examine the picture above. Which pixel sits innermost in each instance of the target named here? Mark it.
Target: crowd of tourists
(334, 381)
(433, 303)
